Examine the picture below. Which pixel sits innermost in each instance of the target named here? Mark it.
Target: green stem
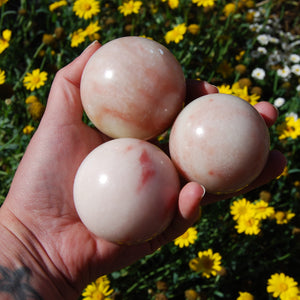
(2, 14)
(29, 66)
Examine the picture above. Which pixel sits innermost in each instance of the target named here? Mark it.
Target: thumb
(64, 102)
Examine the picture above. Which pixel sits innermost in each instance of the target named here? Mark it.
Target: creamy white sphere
(219, 141)
(126, 191)
(132, 87)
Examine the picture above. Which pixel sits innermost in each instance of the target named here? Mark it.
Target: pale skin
(46, 252)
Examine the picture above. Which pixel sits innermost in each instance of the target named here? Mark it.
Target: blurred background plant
(242, 248)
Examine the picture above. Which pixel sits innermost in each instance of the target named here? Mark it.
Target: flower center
(283, 286)
(185, 235)
(207, 263)
(98, 296)
(35, 79)
(250, 222)
(86, 6)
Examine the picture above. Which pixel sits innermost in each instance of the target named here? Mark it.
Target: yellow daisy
(130, 7)
(241, 208)
(30, 99)
(283, 217)
(2, 76)
(281, 285)
(186, 239)
(290, 128)
(225, 89)
(207, 262)
(86, 9)
(35, 80)
(243, 93)
(77, 37)
(229, 8)
(28, 129)
(248, 224)
(91, 29)
(176, 34)
(3, 2)
(245, 296)
(263, 210)
(99, 289)
(204, 3)
(4, 40)
(193, 29)
(172, 3)
(57, 4)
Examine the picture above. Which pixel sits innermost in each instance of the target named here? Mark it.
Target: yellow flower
(3, 2)
(248, 224)
(243, 93)
(77, 37)
(176, 34)
(35, 80)
(241, 208)
(263, 210)
(245, 296)
(207, 262)
(28, 129)
(229, 8)
(91, 29)
(173, 3)
(36, 110)
(283, 217)
(130, 7)
(290, 128)
(186, 239)
(146, 37)
(204, 3)
(194, 29)
(225, 89)
(99, 289)
(2, 76)
(281, 285)
(240, 55)
(191, 295)
(4, 40)
(31, 99)
(284, 173)
(57, 4)
(86, 9)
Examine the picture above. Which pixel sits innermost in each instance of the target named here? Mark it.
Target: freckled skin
(132, 87)
(219, 141)
(126, 191)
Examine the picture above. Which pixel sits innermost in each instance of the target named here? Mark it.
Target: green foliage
(212, 55)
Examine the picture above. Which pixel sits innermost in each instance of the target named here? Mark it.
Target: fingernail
(215, 87)
(204, 191)
(211, 85)
(91, 45)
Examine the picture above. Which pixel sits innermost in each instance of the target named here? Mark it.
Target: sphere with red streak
(126, 191)
(221, 142)
(132, 87)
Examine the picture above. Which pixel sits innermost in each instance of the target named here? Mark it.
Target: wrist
(25, 265)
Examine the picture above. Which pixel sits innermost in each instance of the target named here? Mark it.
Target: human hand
(39, 208)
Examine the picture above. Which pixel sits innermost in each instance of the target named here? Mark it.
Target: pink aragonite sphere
(126, 191)
(219, 141)
(132, 87)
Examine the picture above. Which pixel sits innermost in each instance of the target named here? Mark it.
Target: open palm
(41, 195)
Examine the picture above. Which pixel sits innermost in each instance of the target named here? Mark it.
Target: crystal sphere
(126, 191)
(132, 87)
(219, 141)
